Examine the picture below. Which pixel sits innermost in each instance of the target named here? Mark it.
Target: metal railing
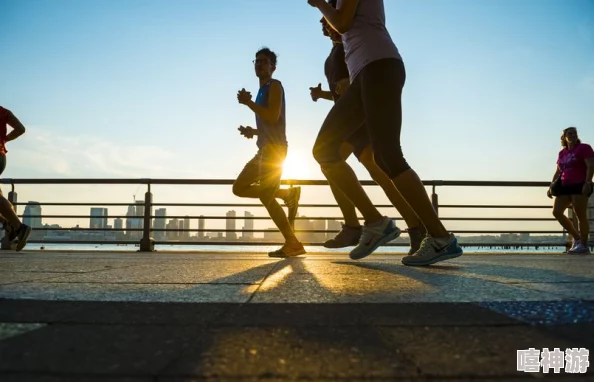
(147, 242)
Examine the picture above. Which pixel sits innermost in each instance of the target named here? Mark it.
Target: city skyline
(178, 226)
(489, 87)
(475, 76)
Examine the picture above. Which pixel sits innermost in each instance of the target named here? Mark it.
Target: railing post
(147, 243)
(435, 201)
(6, 243)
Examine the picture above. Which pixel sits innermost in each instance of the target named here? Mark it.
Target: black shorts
(359, 140)
(569, 189)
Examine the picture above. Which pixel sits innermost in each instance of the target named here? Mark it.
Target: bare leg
(7, 211)
(560, 205)
(580, 207)
(380, 177)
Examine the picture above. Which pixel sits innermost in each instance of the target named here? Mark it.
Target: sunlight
(298, 165)
(274, 280)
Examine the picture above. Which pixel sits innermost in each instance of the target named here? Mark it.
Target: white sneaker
(374, 236)
(574, 245)
(578, 247)
(432, 251)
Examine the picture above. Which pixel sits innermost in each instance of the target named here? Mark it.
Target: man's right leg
(270, 172)
(246, 186)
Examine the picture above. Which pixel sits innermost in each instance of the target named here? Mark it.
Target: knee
(325, 153)
(319, 153)
(345, 150)
(267, 196)
(558, 213)
(390, 160)
(366, 158)
(582, 214)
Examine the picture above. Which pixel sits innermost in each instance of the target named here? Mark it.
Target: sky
(147, 89)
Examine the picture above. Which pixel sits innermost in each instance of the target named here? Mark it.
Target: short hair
(563, 141)
(268, 53)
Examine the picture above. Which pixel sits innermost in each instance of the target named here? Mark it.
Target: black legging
(375, 98)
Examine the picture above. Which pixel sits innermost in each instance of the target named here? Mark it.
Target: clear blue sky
(132, 88)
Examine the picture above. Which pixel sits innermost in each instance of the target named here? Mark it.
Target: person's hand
(244, 97)
(315, 3)
(550, 193)
(342, 86)
(246, 131)
(587, 188)
(316, 92)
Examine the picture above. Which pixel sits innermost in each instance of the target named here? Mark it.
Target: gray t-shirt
(368, 39)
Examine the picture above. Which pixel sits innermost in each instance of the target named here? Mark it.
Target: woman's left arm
(589, 173)
(340, 18)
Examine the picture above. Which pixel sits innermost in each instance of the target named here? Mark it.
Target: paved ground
(98, 316)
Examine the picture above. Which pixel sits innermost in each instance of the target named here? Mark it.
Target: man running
(260, 178)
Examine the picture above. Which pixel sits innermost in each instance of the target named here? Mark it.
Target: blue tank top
(270, 133)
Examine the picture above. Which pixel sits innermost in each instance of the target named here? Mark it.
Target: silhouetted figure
(377, 76)
(337, 76)
(572, 186)
(260, 178)
(17, 232)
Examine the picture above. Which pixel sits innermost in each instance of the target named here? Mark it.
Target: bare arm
(17, 126)
(316, 93)
(590, 171)
(341, 18)
(270, 113)
(557, 173)
(326, 94)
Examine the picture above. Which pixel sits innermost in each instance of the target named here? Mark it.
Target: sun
(297, 165)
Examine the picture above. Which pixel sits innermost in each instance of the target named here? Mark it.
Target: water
(261, 248)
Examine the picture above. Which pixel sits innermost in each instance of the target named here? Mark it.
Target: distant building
(248, 225)
(32, 215)
(160, 223)
(186, 234)
(201, 227)
(230, 226)
(98, 218)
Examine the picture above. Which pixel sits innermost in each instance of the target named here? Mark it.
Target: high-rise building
(186, 234)
(248, 224)
(180, 228)
(130, 221)
(230, 226)
(201, 227)
(140, 213)
(172, 229)
(98, 218)
(160, 223)
(32, 215)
